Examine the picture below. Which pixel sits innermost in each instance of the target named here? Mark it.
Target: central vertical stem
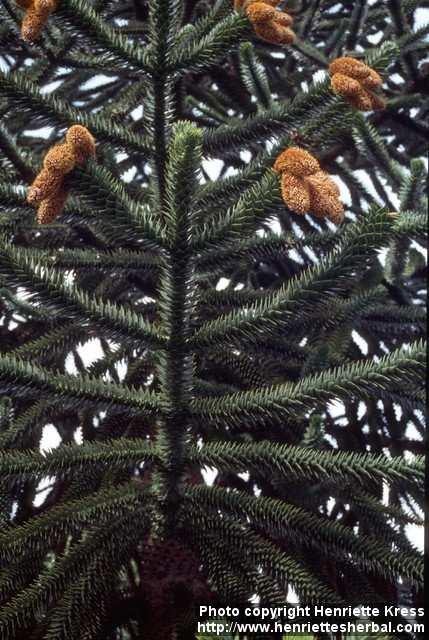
(176, 302)
(175, 375)
(160, 132)
(164, 24)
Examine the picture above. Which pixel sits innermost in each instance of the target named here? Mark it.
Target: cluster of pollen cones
(306, 188)
(357, 83)
(48, 191)
(270, 24)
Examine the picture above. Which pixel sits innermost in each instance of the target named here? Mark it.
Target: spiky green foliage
(178, 321)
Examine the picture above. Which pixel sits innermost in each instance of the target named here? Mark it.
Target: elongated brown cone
(295, 193)
(52, 207)
(275, 34)
(324, 196)
(43, 186)
(35, 18)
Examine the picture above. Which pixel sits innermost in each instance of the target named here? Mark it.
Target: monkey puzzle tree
(230, 215)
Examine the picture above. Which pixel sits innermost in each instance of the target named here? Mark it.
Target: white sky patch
(269, 144)
(297, 230)
(246, 156)
(361, 410)
(50, 439)
(129, 175)
(222, 284)
(275, 226)
(416, 535)
(361, 343)
(336, 408)
(293, 253)
(137, 113)
(42, 491)
(42, 132)
(421, 17)
(292, 596)
(411, 432)
(121, 368)
(49, 88)
(331, 440)
(70, 365)
(398, 411)
(330, 505)
(310, 253)
(90, 351)
(375, 38)
(382, 255)
(362, 176)
(212, 168)
(209, 475)
(319, 76)
(97, 81)
(395, 77)
(386, 494)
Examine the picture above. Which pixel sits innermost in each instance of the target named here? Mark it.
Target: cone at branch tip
(47, 190)
(81, 141)
(51, 207)
(357, 83)
(270, 23)
(306, 188)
